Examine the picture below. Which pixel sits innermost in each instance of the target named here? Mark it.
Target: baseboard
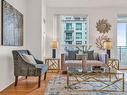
(8, 84)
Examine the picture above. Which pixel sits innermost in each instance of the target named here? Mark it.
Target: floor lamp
(108, 46)
(53, 45)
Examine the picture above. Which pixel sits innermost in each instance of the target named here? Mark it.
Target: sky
(121, 34)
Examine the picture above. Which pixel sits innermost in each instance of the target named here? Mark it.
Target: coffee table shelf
(107, 79)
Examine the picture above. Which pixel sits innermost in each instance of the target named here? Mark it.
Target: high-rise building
(75, 30)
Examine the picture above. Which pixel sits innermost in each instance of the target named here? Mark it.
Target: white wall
(6, 60)
(43, 28)
(94, 15)
(86, 3)
(36, 14)
(33, 35)
(34, 39)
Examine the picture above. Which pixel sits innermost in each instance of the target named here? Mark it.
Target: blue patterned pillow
(72, 55)
(90, 54)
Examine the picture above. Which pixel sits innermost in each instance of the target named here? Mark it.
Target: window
(68, 36)
(68, 26)
(73, 30)
(78, 26)
(85, 26)
(79, 35)
(122, 39)
(85, 42)
(68, 42)
(78, 42)
(121, 32)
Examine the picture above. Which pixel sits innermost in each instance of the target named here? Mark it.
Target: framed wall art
(12, 25)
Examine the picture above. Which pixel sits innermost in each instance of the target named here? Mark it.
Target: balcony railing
(69, 31)
(69, 39)
(122, 54)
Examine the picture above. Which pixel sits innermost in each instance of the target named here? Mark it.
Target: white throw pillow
(29, 59)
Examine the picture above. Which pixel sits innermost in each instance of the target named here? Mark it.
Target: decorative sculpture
(103, 27)
(100, 41)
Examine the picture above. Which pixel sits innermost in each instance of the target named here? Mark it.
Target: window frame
(77, 36)
(68, 28)
(86, 19)
(78, 28)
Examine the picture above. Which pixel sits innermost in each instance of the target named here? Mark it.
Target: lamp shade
(107, 44)
(53, 44)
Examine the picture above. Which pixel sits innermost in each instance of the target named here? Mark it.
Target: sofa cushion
(78, 63)
(94, 63)
(88, 62)
(73, 61)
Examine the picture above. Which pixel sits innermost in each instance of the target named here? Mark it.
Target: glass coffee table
(81, 79)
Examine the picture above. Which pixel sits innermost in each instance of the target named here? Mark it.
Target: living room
(42, 25)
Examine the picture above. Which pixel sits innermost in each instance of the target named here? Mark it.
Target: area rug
(57, 86)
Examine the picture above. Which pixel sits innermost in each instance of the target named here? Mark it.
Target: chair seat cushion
(43, 67)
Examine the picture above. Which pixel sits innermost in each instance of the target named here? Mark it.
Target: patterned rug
(57, 86)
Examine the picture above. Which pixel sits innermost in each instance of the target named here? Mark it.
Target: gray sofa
(100, 59)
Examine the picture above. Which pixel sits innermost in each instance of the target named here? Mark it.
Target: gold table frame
(113, 78)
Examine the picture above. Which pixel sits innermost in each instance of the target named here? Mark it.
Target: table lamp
(108, 46)
(53, 45)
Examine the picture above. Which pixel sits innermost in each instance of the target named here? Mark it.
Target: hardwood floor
(28, 86)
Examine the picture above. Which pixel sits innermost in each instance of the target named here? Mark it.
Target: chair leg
(39, 81)
(26, 77)
(45, 75)
(16, 80)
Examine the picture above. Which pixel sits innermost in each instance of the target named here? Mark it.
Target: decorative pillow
(103, 57)
(72, 55)
(29, 59)
(79, 56)
(90, 55)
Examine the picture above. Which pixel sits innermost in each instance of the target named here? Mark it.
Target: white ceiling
(87, 3)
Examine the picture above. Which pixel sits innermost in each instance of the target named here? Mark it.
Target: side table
(113, 63)
(53, 64)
